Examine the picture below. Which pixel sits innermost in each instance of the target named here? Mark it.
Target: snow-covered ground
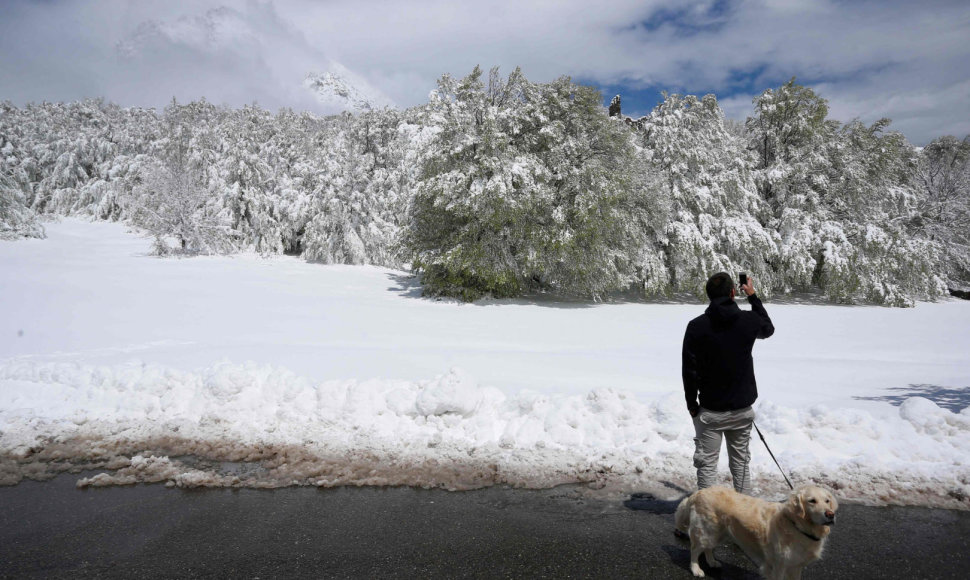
(270, 371)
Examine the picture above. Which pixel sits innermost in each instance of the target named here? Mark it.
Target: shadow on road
(680, 557)
(648, 503)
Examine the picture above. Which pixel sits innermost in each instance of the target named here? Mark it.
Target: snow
(342, 90)
(262, 372)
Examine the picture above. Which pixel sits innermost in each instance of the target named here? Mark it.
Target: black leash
(788, 481)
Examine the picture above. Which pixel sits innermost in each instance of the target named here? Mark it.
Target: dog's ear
(796, 504)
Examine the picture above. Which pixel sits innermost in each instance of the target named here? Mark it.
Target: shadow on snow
(954, 399)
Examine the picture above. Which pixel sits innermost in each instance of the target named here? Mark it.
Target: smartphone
(743, 278)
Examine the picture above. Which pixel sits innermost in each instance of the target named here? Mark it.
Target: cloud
(231, 55)
(138, 54)
(905, 60)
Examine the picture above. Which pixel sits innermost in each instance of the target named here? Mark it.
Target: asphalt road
(51, 530)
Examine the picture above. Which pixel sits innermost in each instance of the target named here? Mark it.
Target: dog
(782, 538)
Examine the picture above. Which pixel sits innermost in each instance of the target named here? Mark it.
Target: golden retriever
(782, 538)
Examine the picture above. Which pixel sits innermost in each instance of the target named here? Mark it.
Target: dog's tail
(682, 517)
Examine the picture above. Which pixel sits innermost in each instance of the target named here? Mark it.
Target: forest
(503, 187)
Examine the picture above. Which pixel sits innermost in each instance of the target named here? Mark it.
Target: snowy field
(250, 371)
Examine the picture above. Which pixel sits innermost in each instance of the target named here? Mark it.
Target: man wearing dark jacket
(718, 368)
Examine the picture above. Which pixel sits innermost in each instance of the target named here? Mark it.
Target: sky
(909, 61)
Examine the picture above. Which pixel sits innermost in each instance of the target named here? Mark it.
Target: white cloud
(233, 55)
(909, 61)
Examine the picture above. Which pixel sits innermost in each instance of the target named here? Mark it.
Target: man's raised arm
(767, 328)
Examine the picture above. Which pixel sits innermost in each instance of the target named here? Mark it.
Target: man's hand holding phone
(747, 284)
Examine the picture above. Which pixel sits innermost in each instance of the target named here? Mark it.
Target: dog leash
(788, 481)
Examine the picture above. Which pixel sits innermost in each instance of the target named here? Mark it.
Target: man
(718, 368)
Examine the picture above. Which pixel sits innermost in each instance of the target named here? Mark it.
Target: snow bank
(586, 394)
(255, 425)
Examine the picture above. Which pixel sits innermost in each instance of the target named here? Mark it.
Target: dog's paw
(713, 563)
(696, 569)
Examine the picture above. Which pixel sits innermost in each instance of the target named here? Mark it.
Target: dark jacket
(717, 361)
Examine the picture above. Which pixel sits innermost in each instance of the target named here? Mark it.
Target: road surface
(52, 530)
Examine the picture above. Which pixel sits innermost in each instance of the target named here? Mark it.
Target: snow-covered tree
(788, 134)
(871, 197)
(246, 179)
(502, 186)
(525, 187)
(944, 214)
(840, 197)
(16, 219)
(358, 208)
(716, 216)
(172, 199)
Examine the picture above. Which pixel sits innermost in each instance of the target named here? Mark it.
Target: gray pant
(736, 428)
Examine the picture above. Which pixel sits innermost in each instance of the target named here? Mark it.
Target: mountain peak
(335, 91)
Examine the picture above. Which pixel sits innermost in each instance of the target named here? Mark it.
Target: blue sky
(909, 61)
(638, 99)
